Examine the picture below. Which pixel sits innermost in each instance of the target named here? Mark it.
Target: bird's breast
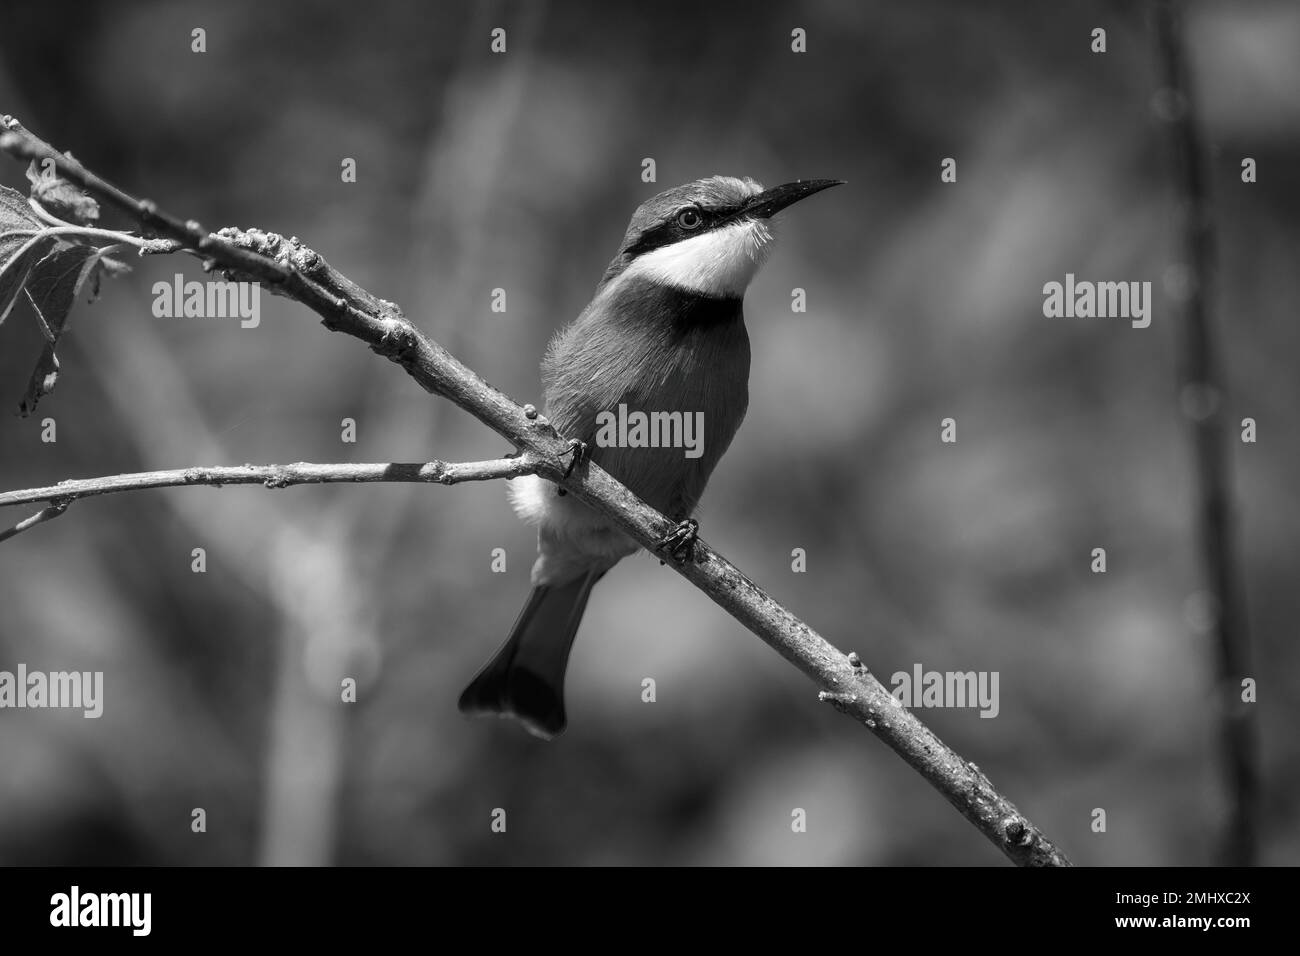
(656, 381)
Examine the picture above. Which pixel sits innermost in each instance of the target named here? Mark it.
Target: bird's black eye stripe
(671, 229)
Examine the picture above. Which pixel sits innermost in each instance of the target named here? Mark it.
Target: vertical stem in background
(1202, 397)
(304, 764)
(319, 641)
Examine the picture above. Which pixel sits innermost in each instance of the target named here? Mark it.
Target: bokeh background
(519, 171)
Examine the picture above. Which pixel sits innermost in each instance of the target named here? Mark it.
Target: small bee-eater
(664, 336)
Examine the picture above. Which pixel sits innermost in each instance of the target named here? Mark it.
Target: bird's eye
(690, 218)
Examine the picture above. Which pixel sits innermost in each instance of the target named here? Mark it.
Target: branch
(53, 511)
(293, 270)
(64, 493)
(1202, 392)
(277, 476)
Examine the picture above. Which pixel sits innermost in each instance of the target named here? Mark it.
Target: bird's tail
(525, 678)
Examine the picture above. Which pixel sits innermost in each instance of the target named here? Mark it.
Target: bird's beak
(771, 201)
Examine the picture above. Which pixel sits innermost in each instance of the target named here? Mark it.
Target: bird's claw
(577, 452)
(680, 542)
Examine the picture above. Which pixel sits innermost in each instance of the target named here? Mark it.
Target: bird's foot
(679, 543)
(578, 452)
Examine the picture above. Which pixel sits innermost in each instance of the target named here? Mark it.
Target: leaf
(61, 197)
(101, 263)
(15, 272)
(14, 210)
(52, 289)
(43, 379)
(55, 281)
(17, 222)
(15, 213)
(17, 225)
(53, 272)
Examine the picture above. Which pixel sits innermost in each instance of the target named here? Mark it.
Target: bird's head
(707, 237)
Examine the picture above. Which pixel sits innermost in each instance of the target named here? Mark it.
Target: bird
(664, 333)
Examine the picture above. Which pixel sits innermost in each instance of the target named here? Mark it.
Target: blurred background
(519, 171)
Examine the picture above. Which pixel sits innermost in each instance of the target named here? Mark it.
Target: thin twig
(50, 513)
(56, 228)
(1202, 394)
(292, 269)
(277, 476)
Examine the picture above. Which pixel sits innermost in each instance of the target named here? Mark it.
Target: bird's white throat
(719, 263)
